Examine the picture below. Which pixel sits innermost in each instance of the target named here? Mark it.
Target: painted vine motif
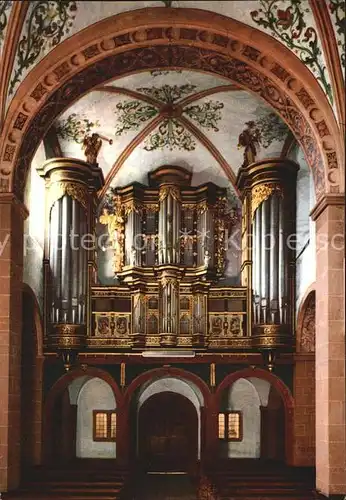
(131, 114)
(171, 134)
(337, 9)
(270, 127)
(48, 23)
(5, 6)
(168, 94)
(207, 115)
(161, 72)
(289, 26)
(75, 128)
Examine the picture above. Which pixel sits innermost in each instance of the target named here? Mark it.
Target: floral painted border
(289, 26)
(337, 9)
(5, 6)
(47, 24)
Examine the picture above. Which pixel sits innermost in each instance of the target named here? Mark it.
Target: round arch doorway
(167, 433)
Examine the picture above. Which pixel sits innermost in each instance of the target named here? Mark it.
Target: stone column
(12, 215)
(330, 346)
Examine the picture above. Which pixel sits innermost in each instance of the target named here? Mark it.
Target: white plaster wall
(34, 199)
(262, 387)
(95, 394)
(306, 259)
(75, 387)
(244, 397)
(178, 386)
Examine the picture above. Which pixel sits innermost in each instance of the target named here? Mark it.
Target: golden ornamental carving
(73, 189)
(165, 282)
(189, 206)
(173, 191)
(202, 207)
(151, 207)
(131, 206)
(261, 193)
(116, 228)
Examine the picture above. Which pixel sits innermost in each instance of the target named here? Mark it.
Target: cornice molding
(326, 201)
(11, 199)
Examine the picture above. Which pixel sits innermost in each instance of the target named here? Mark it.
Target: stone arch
(306, 323)
(168, 372)
(37, 318)
(61, 386)
(176, 385)
(173, 38)
(281, 389)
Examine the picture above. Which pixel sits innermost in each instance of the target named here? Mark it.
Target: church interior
(172, 250)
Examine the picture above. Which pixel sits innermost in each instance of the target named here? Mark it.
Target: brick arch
(57, 390)
(173, 38)
(282, 390)
(28, 291)
(305, 336)
(163, 372)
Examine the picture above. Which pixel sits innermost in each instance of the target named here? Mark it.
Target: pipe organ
(269, 200)
(70, 187)
(169, 242)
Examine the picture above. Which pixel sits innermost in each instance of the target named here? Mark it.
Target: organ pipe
(70, 188)
(269, 188)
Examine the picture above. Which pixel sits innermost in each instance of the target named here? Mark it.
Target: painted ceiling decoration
(172, 118)
(337, 9)
(75, 128)
(171, 132)
(291, 22)
(46, 24)
(287, 22)
(5, 7)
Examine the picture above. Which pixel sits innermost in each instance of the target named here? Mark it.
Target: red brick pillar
(304, 410)
(330, 346)
(12, 215)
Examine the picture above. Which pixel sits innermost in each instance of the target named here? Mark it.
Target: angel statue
(250, 140)
(207, 259)
(92, 145)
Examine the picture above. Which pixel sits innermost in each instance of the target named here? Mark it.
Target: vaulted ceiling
(179, 117)
(183, 118)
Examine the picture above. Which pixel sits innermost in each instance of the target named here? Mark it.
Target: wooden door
(168, 433)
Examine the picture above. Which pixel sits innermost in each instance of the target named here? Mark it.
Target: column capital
(326, 201)
(11, 199)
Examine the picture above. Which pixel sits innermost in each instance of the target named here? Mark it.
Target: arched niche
(175, 385)
(94, 394)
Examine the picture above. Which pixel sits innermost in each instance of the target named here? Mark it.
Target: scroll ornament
(73, 189)
(165, 282)
(261, 193)
(173, 191)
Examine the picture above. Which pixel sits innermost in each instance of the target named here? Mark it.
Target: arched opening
(169, 441)
(81, 417)
(175, 438)
(264, 406)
